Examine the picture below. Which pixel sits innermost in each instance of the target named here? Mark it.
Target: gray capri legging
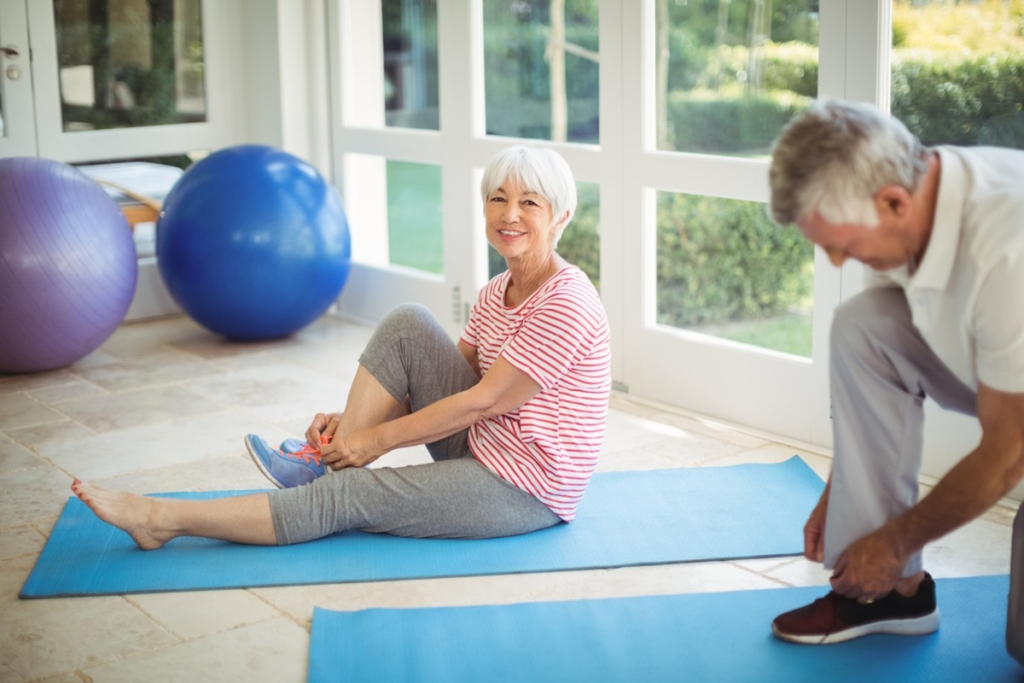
(455, 496)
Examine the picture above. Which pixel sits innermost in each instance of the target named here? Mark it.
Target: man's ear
(894, 201)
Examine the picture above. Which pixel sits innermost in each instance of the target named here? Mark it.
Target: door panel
(17, 118)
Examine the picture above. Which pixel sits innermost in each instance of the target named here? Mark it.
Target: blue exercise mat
(626, 518)
(704, 637)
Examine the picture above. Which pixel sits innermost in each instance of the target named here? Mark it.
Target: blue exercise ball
(253, 243)
(67, 265)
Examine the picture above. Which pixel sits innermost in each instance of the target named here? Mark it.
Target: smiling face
(888, 245)
(520, 224)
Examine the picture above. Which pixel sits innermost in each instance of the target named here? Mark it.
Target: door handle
(10, 51)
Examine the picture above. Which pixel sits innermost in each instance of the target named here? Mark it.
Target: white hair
(835, 157)
(534, 169)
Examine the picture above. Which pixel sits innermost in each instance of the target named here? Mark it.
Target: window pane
(958, 71)
(730, 75)
(726, 270)
(415, 233)
(541, 69)
(126, 63)
(410, 63)
(580, 244)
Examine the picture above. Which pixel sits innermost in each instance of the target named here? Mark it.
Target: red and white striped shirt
(559, 337)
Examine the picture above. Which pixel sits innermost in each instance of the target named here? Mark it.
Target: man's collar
(935, 268)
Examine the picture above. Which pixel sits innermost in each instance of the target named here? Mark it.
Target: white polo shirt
(967, 295)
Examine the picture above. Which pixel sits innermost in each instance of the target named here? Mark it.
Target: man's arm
(871, 566)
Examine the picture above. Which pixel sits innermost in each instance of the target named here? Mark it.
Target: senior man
(942, 232)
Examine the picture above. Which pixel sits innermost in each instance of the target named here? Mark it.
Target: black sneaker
(834, 618)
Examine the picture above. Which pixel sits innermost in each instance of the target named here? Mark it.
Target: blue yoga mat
(705, 637)
(626, 518)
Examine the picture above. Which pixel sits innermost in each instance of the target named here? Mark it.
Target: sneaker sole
(919, 626)
(259, 464)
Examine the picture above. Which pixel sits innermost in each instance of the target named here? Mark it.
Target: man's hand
(814, 530)
(870, 567)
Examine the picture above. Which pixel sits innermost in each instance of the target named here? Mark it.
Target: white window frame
(144, 141)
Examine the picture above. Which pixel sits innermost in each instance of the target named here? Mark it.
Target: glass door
(17, 116)
(731, 312)
(108, 73)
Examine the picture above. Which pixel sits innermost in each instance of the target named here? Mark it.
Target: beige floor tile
(14, 457)
(976, 549)
(49, 433)
(40, 638)
(691, 449)
(16, 541)
(21, 410)
(273, 651)
(32, 494)
(13, 383)
(227, 473)
(639, 459)
(275, 392)
(151, 337)
(137, 408)
(154, 370)
(64, 392)
(625, 432)
(210, 346)
(710, 428)
(186, 440)
(192, 615)
(800, 572)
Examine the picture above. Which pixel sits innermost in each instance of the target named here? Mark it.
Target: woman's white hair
(534, 169)
(835, 157)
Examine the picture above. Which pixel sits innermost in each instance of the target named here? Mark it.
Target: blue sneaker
(292, 445)
(284, 469)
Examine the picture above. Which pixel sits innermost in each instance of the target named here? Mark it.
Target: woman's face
(519, 223)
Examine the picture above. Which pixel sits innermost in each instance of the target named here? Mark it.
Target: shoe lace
(310, 454)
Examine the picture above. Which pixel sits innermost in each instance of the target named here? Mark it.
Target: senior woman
(513, 414)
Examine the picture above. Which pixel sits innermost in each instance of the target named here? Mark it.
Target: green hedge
(718, 122)
(944, 98)
(722, 260)
(959, 100)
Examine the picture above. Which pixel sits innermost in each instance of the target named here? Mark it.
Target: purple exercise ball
(67, 265)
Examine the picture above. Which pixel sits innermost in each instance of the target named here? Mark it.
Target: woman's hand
(354, 450)
(322, 424)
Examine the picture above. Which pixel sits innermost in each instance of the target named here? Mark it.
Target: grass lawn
(789, 333)
(415, 229)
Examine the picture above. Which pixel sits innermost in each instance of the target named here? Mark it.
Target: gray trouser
(410, 354)
(881, 371)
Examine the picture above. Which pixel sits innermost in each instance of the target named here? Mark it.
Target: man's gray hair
(534, 169)
(835, 157)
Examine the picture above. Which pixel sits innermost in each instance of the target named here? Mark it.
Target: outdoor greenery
(722, 259)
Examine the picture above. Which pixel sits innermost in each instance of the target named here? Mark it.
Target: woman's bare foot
(134, 514)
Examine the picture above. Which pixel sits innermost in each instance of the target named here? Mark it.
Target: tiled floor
(163, 406)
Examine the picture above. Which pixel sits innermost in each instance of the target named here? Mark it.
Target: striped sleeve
(556, 335)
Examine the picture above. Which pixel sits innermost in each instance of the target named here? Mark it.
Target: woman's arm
(503, 389)
(470, 354)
